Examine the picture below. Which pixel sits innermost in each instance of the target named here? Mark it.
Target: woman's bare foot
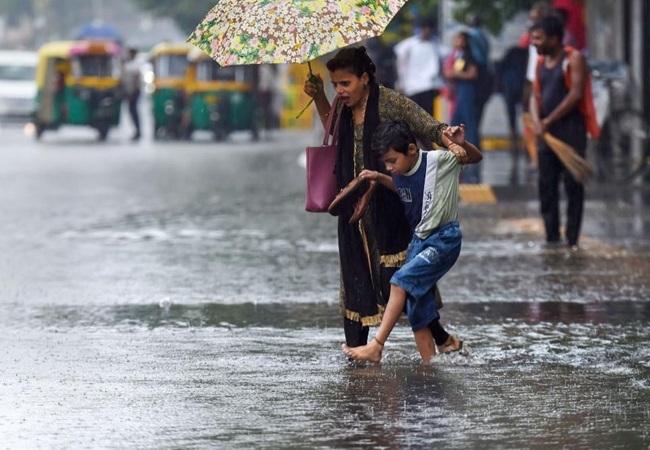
(369, 352)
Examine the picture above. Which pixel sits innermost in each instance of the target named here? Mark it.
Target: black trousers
(133, 112)
(551, 173)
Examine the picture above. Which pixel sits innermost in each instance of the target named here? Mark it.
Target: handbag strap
(328, 128)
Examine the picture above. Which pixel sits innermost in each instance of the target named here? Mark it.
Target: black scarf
(387, 227)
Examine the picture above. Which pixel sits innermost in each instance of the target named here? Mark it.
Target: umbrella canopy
(237, 32)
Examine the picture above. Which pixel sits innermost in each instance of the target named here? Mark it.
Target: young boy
(427, 183)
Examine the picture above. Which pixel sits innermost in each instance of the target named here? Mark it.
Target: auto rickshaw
(220, 99)
(78, 83)
(169, 61)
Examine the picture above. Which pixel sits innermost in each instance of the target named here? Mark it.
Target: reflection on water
(258, 376)
(167, 314)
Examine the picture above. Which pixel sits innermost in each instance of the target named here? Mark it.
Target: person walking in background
(427, 183)
(511, 78)
(384, 57)
(575, 21)
(563, 15)
(559, 105)
(537, 12)
(266, 87)
(478, 40)
(131, 88)
(449, 91)
(372, 249)
(464, 75)
(479, 45)
(419, 65)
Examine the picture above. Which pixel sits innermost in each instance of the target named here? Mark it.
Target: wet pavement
(177, 295)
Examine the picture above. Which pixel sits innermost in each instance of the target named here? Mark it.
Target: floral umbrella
(237, 32)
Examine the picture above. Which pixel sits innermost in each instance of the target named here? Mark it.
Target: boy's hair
(551, 26)
(392, 134)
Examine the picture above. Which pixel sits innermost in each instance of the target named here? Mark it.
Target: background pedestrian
(464, 74)
(131, 88)
(419, 65)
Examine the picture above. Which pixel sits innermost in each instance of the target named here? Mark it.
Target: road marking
(476, 193)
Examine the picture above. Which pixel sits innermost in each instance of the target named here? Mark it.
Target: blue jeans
(426, 262)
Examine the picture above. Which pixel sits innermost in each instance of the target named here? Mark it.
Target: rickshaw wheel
(40, 128)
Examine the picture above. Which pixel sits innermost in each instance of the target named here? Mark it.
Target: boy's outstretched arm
(455, 135)
(382, 178)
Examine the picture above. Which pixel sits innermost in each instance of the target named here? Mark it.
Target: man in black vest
(555, 109)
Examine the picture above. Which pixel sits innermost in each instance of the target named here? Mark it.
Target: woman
(375, 247)
(449, 91)
(464, 74)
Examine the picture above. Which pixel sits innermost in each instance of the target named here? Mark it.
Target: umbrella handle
(305, 108)
(313, 80)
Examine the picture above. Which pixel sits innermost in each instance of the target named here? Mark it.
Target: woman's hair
(355, 60)
(394, 135)
(465, 35)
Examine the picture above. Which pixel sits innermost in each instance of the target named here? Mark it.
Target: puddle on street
(140, 310)
(273, 376)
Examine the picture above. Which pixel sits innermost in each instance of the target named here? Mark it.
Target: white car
(17, 83)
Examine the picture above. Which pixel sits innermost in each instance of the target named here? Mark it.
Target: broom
(529, 139)
(574, 163)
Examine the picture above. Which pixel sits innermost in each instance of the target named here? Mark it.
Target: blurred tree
(493, 13)
(188, 13)
(402, 25)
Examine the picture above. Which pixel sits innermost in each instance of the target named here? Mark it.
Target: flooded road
(178, 296)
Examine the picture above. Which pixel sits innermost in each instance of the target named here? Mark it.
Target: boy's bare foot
(369, 352)
(453, 344)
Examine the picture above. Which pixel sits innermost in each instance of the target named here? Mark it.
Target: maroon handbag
(321, 180)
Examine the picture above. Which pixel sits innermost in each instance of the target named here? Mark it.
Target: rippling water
(178, 296)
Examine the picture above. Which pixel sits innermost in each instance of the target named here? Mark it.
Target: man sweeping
(562, 106)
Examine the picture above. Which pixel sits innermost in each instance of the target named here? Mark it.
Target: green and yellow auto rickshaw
(169, 61)
(220, 99)
(78, 84)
